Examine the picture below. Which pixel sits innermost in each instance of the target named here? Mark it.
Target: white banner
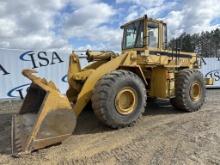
(211, 68)
(53, 65)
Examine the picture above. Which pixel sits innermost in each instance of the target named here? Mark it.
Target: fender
(137, 70)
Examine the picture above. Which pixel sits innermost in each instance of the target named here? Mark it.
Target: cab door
(153, 35)
(156, 35)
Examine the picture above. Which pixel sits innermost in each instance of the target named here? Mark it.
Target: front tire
(119, 98)
(189, 90)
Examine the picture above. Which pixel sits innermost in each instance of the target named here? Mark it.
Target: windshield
(133, 35)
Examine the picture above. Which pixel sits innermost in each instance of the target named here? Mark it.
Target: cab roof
(142, 18)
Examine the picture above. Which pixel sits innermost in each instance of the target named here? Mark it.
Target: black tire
(104, 95)
(185, 79)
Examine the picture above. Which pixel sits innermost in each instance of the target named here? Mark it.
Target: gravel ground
(163, 136)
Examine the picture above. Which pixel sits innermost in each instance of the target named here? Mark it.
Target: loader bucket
(45, 118)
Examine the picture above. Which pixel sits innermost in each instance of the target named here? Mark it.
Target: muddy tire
(190, 90)
(119, 99)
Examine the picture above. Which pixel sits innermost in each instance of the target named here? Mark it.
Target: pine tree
(207, 44)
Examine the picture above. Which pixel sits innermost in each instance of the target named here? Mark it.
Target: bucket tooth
(16, 136)
(18, 145)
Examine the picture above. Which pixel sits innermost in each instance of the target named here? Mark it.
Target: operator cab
(144, 34)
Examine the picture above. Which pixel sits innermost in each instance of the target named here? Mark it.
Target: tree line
(206, 44)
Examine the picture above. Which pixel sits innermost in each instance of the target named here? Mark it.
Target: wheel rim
(195, 92)
(126, 101)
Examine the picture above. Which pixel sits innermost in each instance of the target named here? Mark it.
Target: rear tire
(119, 98)
(190, 90)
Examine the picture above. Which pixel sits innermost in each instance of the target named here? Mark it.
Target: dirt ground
(163, 136)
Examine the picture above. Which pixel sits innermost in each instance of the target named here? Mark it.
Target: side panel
(168, 59)
(162, 83)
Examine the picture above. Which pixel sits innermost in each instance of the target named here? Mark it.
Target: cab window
(133, 35)
(153, 37)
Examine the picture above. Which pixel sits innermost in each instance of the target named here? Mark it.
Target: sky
(95, 24)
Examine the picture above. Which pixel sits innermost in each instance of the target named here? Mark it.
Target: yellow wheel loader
(117, 85)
